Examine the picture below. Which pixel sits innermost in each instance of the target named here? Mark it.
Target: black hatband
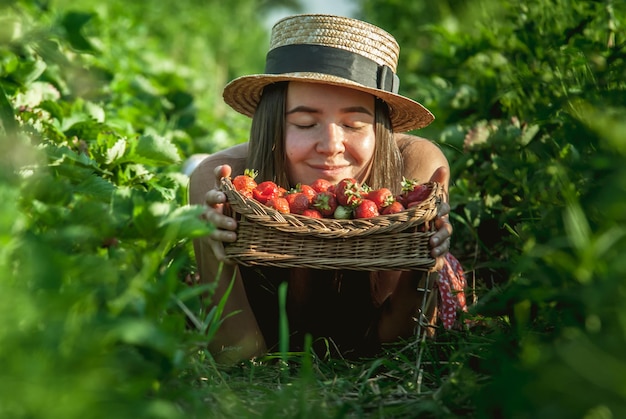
(332, 61)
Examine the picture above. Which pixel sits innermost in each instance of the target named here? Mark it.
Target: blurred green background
(103, 102)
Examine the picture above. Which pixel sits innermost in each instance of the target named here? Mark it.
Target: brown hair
(266, 151)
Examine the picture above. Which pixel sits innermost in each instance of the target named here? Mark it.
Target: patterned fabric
(451, 283)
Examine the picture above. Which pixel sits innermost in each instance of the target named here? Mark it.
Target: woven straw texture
(266, 237)
(243, 93)
(340, 32)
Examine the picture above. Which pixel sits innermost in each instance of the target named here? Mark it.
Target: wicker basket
(388, 242)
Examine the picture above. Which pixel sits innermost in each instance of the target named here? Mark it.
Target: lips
(330, 171)
(330, 167)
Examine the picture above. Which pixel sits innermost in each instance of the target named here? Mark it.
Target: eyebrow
(349, 109)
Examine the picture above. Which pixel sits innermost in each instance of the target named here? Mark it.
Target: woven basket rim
(329, 227)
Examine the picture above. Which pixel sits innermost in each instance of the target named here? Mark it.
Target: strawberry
(279, 203)
(321, 185)
(265, 190)
(313, 213)
(298, 202)
(343, 212)
(413, 191)
(307, 190)
(348, 192)
(366, 209)
(383, 197)
(325, 202)
(400, 198)
(245, 183)
(393, 208)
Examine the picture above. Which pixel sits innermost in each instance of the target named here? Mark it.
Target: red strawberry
(366, 209)
(382, 197)
(245, 183)
(348, 192)
(393, 208)
(321, 185)
(325, 202)
(313, 213)
(265, 190)
(413, 191)
(280, 204)
(298, 202)
(400, 199)
(418, 194)
(307, 190)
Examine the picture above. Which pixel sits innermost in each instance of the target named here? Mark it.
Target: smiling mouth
(329, 168)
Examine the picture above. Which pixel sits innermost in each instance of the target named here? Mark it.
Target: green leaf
(153, 150)
(74, 22)
(185, 222)
(576, 225)
(96, 187)
(116, 151)
(29, 71)
(7, 117)
(142, 332)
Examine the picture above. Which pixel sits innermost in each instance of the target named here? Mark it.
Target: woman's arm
(424, 161)
(239, 336)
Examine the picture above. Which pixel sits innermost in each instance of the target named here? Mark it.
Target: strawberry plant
(98, 294)
(516, 88)
(100, 303)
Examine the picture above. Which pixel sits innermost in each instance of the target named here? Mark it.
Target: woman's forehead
(319, 94)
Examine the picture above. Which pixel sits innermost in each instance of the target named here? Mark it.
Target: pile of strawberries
(322, 199)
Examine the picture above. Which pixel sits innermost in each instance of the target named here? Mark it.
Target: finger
(444, 230)
(443, 214)
(218, 250)
(214, 198)
(440, 241)
(440, 250)
(222, 171)
(441, 235)
(218, 219)
(441, 175)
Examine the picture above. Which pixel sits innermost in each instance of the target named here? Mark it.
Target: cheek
(296, 152)
(362, 151)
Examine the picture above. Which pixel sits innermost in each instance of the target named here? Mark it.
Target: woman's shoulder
(234, 156)
(410, 142)
(202, 177)
(421, 156)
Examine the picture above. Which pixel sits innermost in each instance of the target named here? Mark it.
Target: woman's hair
(266, 148)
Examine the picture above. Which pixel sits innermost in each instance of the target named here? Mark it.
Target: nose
(331, 141)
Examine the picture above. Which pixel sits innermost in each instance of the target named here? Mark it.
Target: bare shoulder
(203, 179)
(421, 156)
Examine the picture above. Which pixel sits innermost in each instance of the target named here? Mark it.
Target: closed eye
(304, 126)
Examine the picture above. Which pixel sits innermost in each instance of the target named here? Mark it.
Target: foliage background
(101, 104)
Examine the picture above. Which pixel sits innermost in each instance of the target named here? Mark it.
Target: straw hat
(333, 50)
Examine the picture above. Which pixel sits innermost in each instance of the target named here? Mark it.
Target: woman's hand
(225, 226)
(440, 241)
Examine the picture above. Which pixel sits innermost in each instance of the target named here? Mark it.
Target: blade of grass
(214, 319)
(283, 323)
(6, 114)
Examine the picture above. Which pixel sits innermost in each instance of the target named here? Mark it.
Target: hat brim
(243, 95)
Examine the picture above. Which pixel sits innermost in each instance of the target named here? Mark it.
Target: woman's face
(329, 132)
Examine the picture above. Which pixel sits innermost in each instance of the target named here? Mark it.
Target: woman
(326, 107)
